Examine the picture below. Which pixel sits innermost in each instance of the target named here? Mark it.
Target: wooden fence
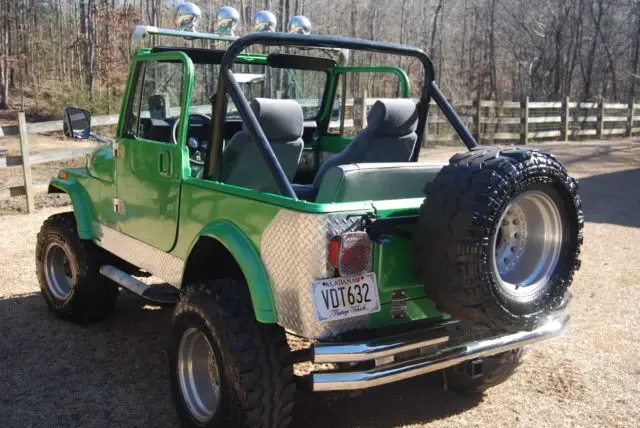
(513, 122)
(26, 160)
(491, 122)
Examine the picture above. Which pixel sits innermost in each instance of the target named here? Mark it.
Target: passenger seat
(390, 136)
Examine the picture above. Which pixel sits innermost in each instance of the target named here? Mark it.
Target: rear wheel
(226, 368)
(475, 376)
(526, 246)
(67, 269)
(498, 238)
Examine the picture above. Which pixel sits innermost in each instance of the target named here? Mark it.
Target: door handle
(165, 163)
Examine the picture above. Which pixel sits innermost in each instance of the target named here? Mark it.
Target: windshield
(261, 81)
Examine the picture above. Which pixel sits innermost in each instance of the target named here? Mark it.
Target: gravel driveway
(114, 373)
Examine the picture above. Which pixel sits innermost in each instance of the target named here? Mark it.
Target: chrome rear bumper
(431, 349)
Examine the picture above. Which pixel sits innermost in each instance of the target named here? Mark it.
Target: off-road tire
(459, 217)
(92, 297)
(256, 380)
(495, 370)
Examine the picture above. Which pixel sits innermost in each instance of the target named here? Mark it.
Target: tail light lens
(351, 253)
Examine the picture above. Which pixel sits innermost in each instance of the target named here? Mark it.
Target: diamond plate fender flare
(82, 205)
(248, 258)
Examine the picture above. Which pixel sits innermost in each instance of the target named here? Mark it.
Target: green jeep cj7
(392, 268)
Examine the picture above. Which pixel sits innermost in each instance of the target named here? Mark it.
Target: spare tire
(498, 237)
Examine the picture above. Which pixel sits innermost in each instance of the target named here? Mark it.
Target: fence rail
(490, 121)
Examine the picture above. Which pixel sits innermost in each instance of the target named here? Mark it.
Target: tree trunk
(4, 75)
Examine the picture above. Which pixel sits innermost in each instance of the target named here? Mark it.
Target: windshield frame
(204, 56)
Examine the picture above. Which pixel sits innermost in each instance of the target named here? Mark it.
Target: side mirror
(77, 123)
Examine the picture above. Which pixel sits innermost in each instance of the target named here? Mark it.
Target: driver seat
(283, 124)
(158, 127)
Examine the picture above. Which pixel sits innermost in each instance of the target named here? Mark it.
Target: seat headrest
(393, 117)
(159, 106)
(279, 119)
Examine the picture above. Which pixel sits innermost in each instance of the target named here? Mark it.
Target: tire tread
(94, 296)
(451, 238)
(262, 368)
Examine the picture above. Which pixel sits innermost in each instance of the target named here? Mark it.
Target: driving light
(227, 18)
(187, 16)
(264, 21)
(299, 25)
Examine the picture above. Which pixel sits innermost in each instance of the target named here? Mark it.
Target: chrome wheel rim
(199, 375)
(526, 246)
(58, 271)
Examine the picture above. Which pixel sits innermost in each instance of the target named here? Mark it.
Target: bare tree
(548, 49)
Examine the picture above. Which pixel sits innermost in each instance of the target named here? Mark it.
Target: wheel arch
(82, 206)
(236, 257)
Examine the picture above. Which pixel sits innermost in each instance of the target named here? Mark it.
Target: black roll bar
(227, 81)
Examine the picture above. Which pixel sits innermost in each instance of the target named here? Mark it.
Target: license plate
(340, 298)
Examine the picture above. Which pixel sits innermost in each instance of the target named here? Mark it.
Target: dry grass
(114, 373)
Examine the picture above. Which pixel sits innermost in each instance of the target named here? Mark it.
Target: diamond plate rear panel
(157, 262)
(294, 251)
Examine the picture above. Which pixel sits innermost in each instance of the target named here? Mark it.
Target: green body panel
(204, 204)
(102, 164)
(238, 226)
(333, 143)
(83, 208)
(151, 199)
(149, 173)
(393, 264)
(92, 199)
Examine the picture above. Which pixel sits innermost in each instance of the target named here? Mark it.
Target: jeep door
(150, 149)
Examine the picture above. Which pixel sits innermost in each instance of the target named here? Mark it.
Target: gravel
(115, 373)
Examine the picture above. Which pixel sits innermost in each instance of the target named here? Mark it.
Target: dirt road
(114, 373)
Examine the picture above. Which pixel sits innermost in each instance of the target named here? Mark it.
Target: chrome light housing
(299, 25)
(227, 18)
(187, 16)
(264, 21)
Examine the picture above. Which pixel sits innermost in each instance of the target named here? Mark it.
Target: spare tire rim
(58, 271)
(526, 245)
(199, 375)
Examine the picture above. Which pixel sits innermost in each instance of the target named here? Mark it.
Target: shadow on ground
(114, 373)
(612, 198)
(416, 401)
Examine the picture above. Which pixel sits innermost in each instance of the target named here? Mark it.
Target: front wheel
(68, 271)
(226, 368)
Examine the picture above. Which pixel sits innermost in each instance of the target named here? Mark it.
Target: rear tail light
(351, 253)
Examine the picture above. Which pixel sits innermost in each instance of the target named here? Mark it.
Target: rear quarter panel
(240, 220)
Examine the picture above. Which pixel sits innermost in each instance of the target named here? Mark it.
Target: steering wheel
(192, 150)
